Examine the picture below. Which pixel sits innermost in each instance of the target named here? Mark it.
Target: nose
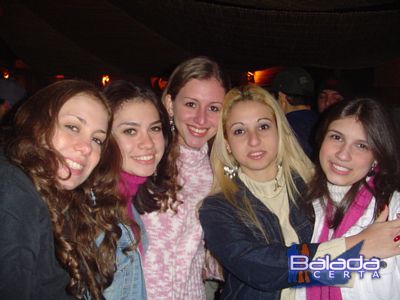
(84, 146)
(201, 116)
(343, 153)
(145, 141)
(254, 139)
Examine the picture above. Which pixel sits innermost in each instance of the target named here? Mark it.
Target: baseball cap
(294, 81)
(341, 86)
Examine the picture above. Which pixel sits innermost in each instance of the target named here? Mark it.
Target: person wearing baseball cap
(294, 89)
(332, 90)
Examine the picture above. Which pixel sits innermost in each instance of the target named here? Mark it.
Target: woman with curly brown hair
(61, 218)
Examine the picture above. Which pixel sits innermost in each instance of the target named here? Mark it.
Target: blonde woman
(257, 211)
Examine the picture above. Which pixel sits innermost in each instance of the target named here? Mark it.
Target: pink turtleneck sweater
(128, 185)
(174, 260)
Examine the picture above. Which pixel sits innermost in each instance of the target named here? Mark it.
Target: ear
(228, 148)
(169, 105)
(282, 101)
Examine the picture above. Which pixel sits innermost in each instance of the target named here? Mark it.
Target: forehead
(329, 92)
(204, 91)
(249, 110)
(137, 108)
(349, 126)
(82, 100)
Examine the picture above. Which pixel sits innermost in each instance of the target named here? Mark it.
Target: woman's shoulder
(216, 202)
(10, 173)
(17, 192)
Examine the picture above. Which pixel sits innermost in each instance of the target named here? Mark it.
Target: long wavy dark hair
(76, 219)
(382, 140)
(158, 193)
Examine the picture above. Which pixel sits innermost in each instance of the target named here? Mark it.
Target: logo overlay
(327, 271)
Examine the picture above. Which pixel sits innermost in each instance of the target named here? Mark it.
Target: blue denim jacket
(253, 268)
(128, 280)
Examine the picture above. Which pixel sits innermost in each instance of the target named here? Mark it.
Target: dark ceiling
(89, 37)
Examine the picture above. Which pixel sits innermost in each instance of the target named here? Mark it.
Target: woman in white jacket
(357, 177)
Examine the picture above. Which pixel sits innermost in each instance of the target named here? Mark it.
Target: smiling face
(79, 134)
(345, 155)
(196, 110)
(252, 138)
(138, 131)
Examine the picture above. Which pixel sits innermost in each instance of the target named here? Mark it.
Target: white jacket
(388, 285)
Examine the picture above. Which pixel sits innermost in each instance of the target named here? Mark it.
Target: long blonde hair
(290, 155)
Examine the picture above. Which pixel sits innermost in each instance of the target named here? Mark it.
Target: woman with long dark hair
(357, 177)
(60, 211)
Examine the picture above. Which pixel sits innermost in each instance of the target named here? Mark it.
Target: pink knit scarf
(128, 185)
(353, 214)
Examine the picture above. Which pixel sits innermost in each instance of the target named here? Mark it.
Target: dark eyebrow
(194, 99)
(340, 133)
(132, 123)
(155, 122)
(334, 130)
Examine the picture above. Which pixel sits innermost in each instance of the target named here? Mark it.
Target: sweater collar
(268, 189)
(129, 184)
(337, 192)
(190, 155)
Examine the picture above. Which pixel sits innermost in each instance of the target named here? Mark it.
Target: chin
(144, 173)
(69, 186)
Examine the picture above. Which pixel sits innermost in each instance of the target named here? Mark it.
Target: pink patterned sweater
(174, 260)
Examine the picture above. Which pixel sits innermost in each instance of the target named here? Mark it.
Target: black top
(28, 265)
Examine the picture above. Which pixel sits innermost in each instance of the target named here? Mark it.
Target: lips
(338, 169)
(73, 165)
(199, 132)
(145, 159)
(256, 155)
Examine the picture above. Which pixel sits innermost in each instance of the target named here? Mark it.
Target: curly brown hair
(158, 192)
(76, 219)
